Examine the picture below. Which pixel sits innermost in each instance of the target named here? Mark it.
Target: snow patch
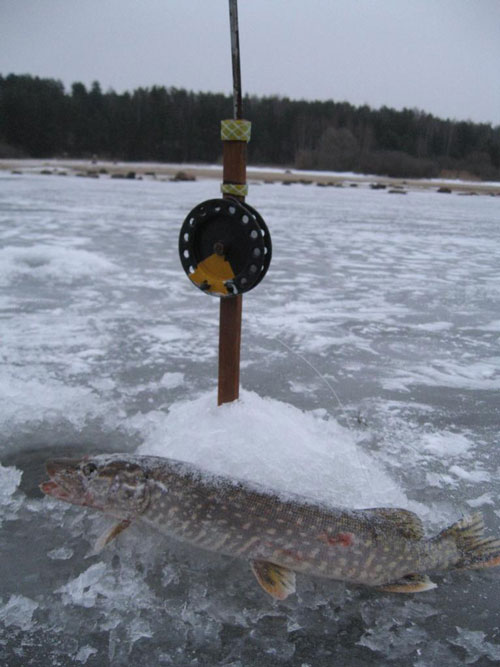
(273, 443)
(171, 380)
(485, 499)
(445, 444)
(471, 476)
(51, 262)
(29, 400)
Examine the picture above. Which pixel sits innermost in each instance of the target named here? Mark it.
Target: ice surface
(370, 374)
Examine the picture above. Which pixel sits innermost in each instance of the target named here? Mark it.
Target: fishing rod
(224, 244)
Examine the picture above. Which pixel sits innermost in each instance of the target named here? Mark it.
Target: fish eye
(88, 469)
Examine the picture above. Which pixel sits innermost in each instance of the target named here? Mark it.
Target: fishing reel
(224, 247)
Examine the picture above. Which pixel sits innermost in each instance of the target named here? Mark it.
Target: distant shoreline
(165, 171)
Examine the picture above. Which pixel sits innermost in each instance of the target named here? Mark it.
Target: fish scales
(293, 533)
(377, 547)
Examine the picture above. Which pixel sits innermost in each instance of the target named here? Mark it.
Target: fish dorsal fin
(107, 536)
(276, 580)
(411, 583)
(406, 523)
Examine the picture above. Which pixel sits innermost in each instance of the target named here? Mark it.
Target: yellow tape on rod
(235, 130)
(234, 189)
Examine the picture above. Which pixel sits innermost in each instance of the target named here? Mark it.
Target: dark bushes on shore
(39, 118)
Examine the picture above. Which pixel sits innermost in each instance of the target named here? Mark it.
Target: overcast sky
(442, 56)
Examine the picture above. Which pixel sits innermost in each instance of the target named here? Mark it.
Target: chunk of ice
(18, 611)
(171, 380)
(446, 444)
(485, 499)
(10, 478)
(84, 653)
(83, 590)
(62, 553)
(395, 632)
(472, 476)
(475, 644)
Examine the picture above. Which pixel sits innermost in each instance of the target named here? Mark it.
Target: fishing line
(322, 377)
(347, 417)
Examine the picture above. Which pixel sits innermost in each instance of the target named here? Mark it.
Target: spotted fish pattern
(280, 535)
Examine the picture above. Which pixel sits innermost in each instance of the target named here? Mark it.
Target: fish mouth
(65, 481)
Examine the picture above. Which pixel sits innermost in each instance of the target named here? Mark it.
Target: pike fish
(384, 548)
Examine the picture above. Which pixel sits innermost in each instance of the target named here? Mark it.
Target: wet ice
(389, 306)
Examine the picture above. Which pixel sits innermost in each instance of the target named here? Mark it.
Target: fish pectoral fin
(410, 583)
(276, 580)
(108, 536)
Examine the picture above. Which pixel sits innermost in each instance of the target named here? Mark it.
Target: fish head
(112, 484)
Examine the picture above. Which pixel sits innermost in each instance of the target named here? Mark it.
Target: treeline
(39, 118)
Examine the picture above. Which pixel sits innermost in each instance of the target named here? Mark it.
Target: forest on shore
(40, 119)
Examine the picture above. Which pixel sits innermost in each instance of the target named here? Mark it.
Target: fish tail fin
(476, 551)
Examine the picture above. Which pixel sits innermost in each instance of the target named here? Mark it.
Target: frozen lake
(370, 375)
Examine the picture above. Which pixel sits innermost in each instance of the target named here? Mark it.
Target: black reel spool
(224, 247)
